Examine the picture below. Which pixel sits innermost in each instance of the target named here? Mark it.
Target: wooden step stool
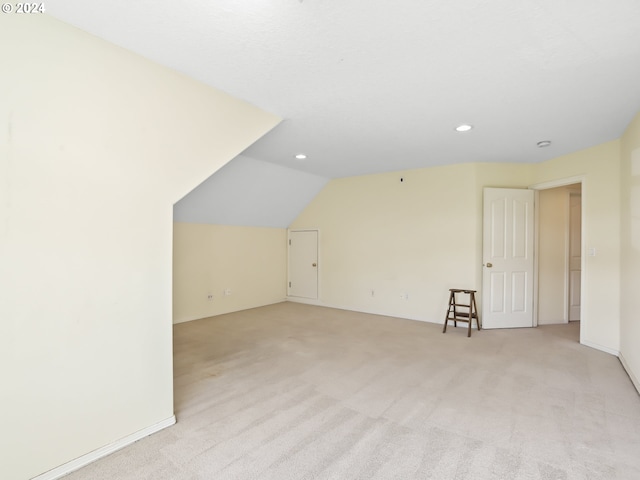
(461, 312)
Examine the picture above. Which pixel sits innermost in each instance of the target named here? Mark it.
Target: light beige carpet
(294, 391)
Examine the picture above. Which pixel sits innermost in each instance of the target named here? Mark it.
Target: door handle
(489, 265)
(314, 264)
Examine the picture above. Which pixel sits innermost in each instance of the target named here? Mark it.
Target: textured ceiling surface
(368, 86)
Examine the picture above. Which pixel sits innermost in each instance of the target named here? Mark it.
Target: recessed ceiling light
(301, 156)
(464, 127)
(543, 143)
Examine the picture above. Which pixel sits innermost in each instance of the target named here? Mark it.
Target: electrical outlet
(210, 297)
(227, 292)
(404, 296)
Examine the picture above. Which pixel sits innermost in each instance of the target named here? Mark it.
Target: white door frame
(562, 182)
(567, 298)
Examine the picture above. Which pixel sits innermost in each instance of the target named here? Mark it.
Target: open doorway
(559, 254)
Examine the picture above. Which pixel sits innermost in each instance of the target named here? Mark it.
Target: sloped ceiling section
(370, 86)
(249, 192)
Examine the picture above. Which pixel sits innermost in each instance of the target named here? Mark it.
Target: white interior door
(575, 255)
(507, 280)
(303, 263)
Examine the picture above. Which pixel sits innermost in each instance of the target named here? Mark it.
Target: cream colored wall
(96, 144)
(552, 211)
(630, 255)
(210, 259)
(599, 167)
(418, 237)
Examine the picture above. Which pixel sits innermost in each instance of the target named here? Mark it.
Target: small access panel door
(303, 264)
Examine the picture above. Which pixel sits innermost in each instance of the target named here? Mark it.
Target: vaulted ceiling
(367, 86)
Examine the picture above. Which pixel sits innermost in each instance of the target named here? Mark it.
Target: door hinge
(289, 241)
(289, 284)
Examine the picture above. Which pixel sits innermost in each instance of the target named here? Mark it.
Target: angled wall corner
(96, 144)
(230, 236)
(630, 255)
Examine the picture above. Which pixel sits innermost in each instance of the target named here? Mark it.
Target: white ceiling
(368, 86)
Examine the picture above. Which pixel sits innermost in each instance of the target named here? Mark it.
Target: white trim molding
(91, 457)
(308, 301)
(627, 369)
(561, 182)
(602, 348)
(190, 318)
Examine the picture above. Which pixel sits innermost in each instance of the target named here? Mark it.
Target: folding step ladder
(462, 312)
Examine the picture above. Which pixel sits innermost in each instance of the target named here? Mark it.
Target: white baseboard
(224, 312)
(320, 303)
(633, 378)
(192, 318)
(602, 348)
(188, 319)
(307, 301)
(90, 457)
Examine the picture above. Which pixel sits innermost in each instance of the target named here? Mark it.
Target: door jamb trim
(562, 182)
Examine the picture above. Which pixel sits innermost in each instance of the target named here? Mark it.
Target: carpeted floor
(293, 391)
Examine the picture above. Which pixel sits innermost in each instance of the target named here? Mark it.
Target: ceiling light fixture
(543, 143)
(301, 156)
(464, 127)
